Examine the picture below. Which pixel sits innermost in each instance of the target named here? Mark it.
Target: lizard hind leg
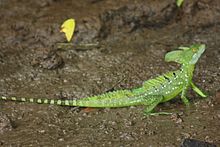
(151, 102)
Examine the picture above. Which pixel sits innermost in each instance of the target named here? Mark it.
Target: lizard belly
(171, 94)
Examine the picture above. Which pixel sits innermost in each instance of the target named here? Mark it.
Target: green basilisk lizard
(154, 91)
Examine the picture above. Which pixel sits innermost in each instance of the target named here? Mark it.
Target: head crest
(189, 55)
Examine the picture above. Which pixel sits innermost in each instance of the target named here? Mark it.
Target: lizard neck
(188, 70)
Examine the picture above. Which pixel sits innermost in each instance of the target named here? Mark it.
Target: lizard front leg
(183, 95)
(197, 90)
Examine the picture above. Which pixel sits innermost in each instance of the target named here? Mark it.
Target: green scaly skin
(154, 91)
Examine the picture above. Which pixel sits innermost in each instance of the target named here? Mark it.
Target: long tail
(118, 98)
(41, 101)
(113, 99)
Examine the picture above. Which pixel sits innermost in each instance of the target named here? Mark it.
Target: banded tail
(41, 101)
(119, 98)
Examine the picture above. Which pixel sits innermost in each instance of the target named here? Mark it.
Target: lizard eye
(194, 50)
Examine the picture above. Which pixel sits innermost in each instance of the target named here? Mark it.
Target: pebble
(5, 123)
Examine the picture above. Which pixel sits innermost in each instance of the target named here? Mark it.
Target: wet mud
(132, 38)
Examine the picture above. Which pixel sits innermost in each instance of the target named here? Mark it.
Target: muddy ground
(133, 38)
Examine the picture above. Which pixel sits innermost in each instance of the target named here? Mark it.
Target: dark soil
(133, 38)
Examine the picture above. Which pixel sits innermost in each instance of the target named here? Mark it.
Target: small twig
(71, 46)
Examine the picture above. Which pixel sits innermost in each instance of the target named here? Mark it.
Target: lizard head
(186, 55)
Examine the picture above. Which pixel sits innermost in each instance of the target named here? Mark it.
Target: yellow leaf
(68, 28)
(179, 2)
